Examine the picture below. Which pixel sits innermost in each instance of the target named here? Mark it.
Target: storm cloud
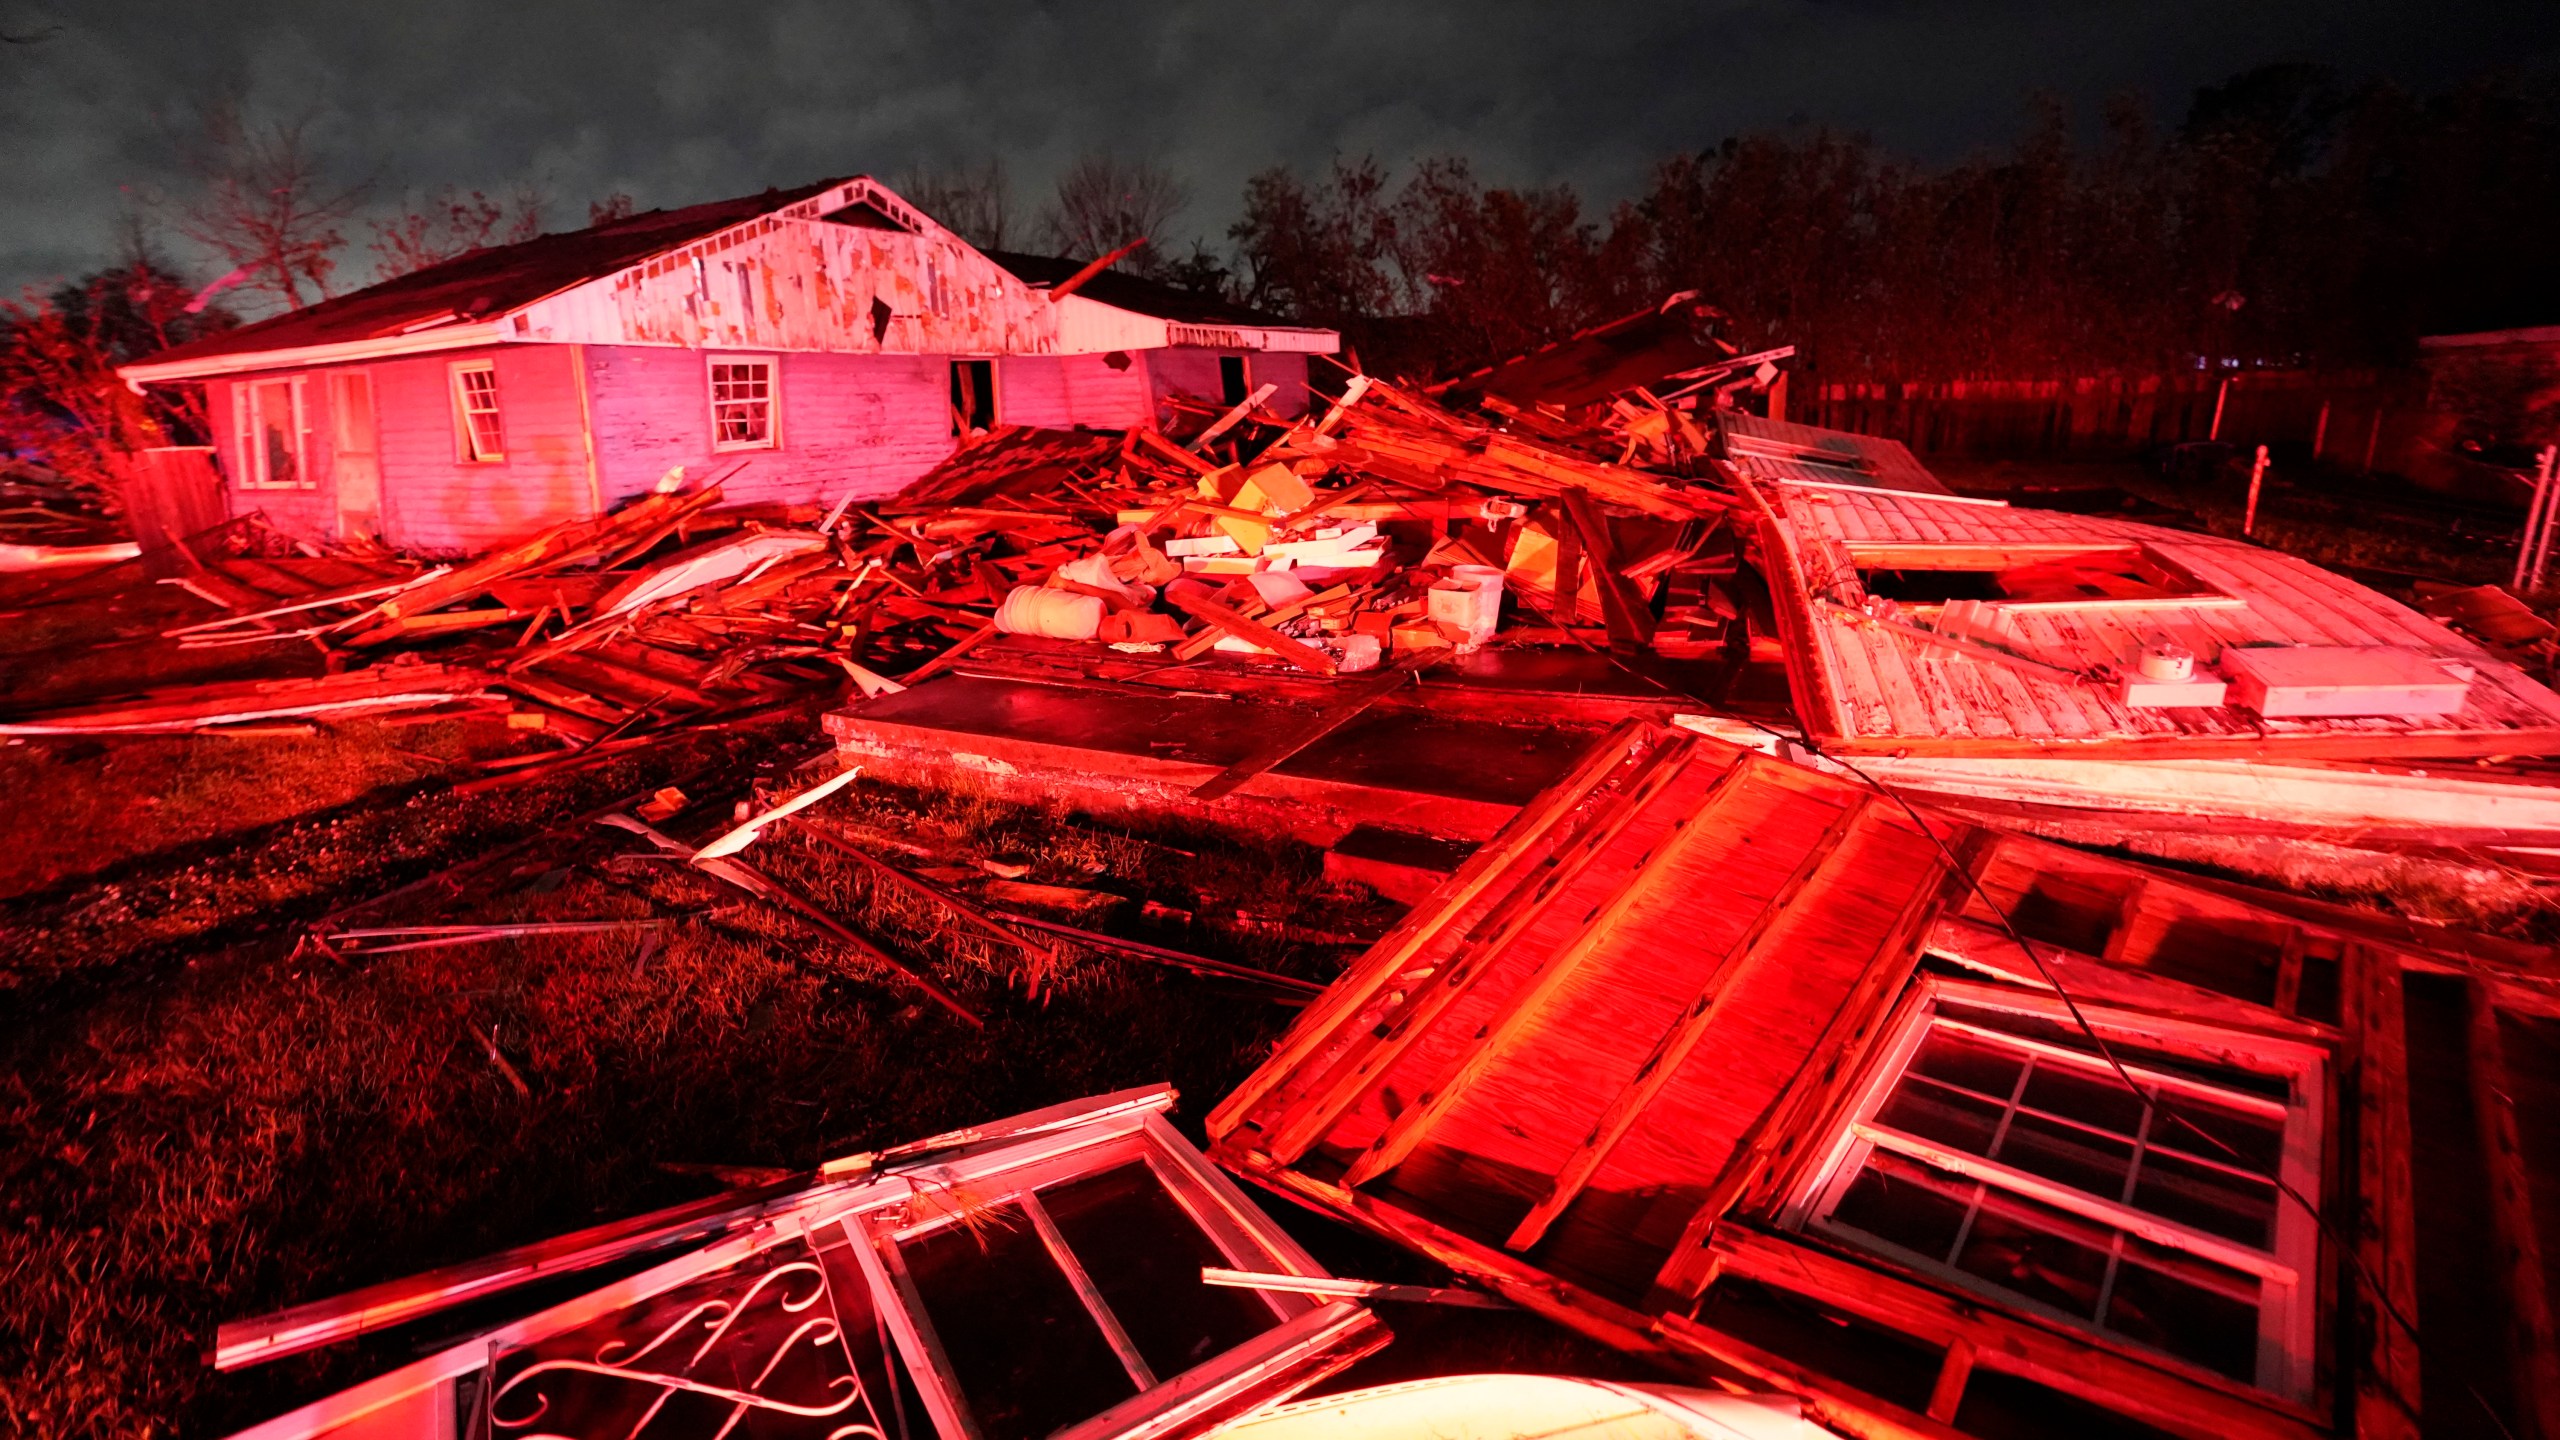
(678, 102)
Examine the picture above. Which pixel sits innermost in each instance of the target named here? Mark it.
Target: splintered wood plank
(1316, 1112)
(1516, 1012)
(1674, 1045)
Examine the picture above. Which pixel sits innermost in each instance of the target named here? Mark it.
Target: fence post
(2257, 474)
(2544, 486)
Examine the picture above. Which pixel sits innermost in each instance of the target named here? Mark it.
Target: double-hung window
(741, 403)
(1997, 1149)
(270, 422)
(478, 435)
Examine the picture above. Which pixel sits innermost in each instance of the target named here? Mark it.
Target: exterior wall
(1184, 371)
(1065, 391)
(860, 424)
(434, 501)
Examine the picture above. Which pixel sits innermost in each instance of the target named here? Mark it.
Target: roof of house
(492, 281)
(1128, 292)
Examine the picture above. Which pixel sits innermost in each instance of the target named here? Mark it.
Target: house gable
(852, 269)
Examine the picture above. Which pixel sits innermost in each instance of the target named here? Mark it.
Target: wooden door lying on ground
(1034, 1277)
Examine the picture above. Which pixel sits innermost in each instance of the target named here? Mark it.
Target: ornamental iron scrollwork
(757, 1346)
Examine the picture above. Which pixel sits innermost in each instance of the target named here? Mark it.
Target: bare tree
(613, 207)
(450, 223)
(973, 201)
(265, 201)
(1104, 203)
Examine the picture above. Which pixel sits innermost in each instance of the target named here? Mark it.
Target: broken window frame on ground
(856, 1230)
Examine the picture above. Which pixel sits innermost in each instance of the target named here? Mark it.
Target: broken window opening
(478, 433)
(1233, 381)
(742, 404)
(1911, 575)
(973, 396)
(1999, 1152)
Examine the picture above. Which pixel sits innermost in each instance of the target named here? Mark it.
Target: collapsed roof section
(1944, 626)
(1749, 1069)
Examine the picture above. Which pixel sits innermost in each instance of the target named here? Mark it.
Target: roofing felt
(493, 281)
(1128, 292)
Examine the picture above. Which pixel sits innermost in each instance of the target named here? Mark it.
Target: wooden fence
(2357, 419)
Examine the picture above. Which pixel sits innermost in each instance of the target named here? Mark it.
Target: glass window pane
(1144, 1253)
(2039, 1252)
(1905, 1204)
(1950, 1117)
(2192, 1308)
(2090, 1097)
(1027, 1354)
(2233, 1206)
(1976, 1064)
(2086, 1161)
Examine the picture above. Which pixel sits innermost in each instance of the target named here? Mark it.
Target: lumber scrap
(230, 702)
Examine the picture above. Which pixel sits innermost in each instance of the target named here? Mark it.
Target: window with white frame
(478, 434)
(741, 404)
(270, 424)
(1996, 1149)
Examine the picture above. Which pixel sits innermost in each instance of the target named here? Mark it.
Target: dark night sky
(682, 102)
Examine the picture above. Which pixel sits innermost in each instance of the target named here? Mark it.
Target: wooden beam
(1333, 717)
(1675, 1044)
(2384, 1366)
(1519, 907)
(2531, 1351)
(1947, 1395)
(1629, 613)
(834, 839)
(1516, 1011)
(1296, 652)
